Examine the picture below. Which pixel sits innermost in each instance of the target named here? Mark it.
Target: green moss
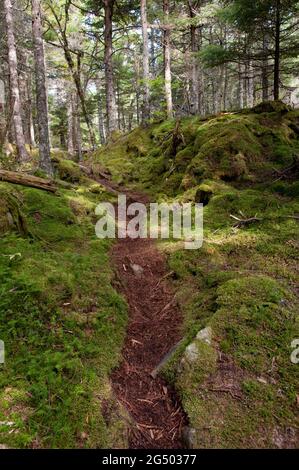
(193, 374)
(67, 170)
(62, 324)
(231, 147)
(286, 189)
(271, 107)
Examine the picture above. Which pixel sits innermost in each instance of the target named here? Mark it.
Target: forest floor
(85, 321)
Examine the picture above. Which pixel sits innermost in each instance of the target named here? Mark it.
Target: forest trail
(154, 327)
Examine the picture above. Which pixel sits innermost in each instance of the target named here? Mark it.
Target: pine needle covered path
(154, 328)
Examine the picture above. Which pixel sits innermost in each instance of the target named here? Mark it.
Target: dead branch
(243, 222)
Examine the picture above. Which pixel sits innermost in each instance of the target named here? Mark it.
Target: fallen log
(27, 180)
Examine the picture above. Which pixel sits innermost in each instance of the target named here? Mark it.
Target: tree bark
(146, 72)
(277, 51)
(70, 124)
(167, 61)
(41, 91)
(15, 91)
(110, 89)
(241, 87)
(250, 90)
(77, 137)
(101, 124)
(265, 78)
(194, 65)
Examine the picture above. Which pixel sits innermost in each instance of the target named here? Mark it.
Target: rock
(189, 437)
(191, 352)
(137, 270)
(205, 335)
(3, 446)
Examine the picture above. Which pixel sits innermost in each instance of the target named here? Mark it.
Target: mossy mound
(272, 107)
(66, 169)
(173, 156)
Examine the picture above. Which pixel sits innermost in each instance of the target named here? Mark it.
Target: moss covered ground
(61, 320)
(243, 282)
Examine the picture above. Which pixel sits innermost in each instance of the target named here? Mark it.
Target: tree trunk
(167, 61)
(146, 73)
(77, 129)
(241, 87)
(265, 78)
(277, 51)
(110, 90)
(41, 91)
(70, 124)
(250, 88)
(15, 92)
(194, 65)
(101, 124)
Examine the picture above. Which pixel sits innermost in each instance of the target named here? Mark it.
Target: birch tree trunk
(41, 91)
(15, 92)
(112, 120)
(145, 55)
(167, 61)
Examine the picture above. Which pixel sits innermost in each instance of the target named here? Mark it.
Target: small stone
(205, 335)
(137, 270)
(191, 352)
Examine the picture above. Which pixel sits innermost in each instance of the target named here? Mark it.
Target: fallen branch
(242, 222)
(27, 180)
(251, 220)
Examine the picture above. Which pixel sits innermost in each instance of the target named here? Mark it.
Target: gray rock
(191, 352)
(205, 335)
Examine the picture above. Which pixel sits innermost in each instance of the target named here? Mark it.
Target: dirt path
(154, 328)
